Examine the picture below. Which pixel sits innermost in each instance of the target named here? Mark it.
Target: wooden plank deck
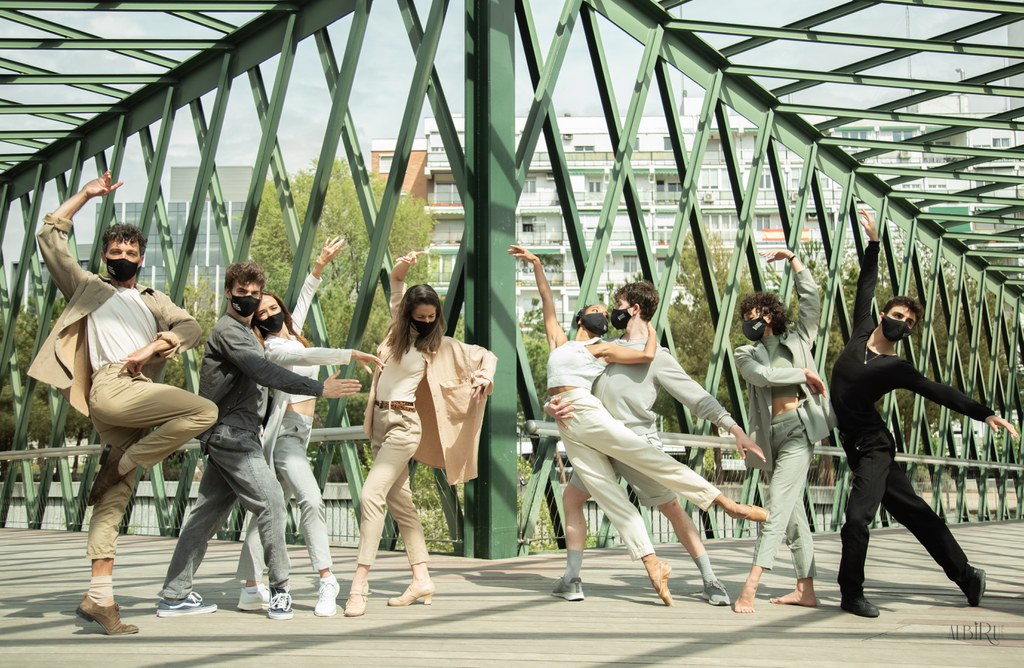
(501, 612)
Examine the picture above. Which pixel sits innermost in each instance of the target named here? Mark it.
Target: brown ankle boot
(109, 617)
(658, 571)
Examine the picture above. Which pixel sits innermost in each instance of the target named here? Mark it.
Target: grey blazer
(755, 367)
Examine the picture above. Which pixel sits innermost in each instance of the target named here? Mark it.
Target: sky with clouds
(385, 66)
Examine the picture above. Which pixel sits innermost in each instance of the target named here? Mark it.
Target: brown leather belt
(397, 405)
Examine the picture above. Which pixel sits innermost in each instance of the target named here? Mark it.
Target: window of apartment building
(852, 134)
(762, 221)
(710, 179)
(595, 186)
(766, 179)
(668, 143)
(668, 186)
(584, 148)
(528, 223)
(445, 192)
(384, 164)
(1000, 142)
(530, 186)
(903, 135)
(630, 264)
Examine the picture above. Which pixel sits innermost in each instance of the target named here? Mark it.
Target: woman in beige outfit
(426, 402)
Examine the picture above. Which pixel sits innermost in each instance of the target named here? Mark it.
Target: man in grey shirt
(629, 393)
(234, 368)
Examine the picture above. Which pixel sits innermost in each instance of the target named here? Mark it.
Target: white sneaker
(327, 603)
(258, 600)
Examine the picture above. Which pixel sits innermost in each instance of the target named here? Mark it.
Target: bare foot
(806, 599)
(745, 601)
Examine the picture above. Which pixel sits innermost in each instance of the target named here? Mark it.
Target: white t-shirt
(399, 380)
(119, 327)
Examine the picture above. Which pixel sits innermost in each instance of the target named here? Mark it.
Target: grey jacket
(755, 366)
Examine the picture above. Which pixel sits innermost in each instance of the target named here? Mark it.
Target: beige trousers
(124, 409)
(593, 438)
(394, 439)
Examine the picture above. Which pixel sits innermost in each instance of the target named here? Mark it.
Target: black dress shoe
(973, 586)
(108, 475)
(859, 606)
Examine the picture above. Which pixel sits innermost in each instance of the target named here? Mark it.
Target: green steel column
(490, 206)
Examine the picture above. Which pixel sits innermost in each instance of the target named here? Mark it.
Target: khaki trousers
(395, 437)
(124, 409)
(594, 438)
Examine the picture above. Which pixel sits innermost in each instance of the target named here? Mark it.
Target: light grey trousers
(792, 452)
(297, 479)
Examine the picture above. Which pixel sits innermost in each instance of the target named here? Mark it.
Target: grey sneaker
(570, 591)
(715, 593)
(190, 605)
(280, 605)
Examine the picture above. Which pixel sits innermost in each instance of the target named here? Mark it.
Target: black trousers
(878, 479)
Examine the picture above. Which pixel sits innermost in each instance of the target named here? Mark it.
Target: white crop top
(292, 355)
(572, 365)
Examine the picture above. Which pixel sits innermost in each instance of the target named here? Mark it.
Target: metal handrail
(353, 433)
(543, 428)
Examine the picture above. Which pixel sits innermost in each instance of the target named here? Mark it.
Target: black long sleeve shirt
(234, 366)
(860, 378)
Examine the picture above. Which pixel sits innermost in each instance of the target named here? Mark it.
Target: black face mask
(894, 330)
(423, 327)
(620, 318)
(271, 324)
(121, 269)
(754, 329)
(596, 323)
(245, 306)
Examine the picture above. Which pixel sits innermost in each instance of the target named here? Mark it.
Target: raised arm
(806, 293)
(613, 353)
(398, 272)
(53, 236)
(555, 333)
(312, 283)
(868, 274)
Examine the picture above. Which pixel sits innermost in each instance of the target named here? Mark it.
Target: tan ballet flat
(412, 594)
(355, 606)
(750, 513)
(658, 572)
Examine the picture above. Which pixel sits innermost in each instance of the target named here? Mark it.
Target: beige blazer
(451, 419)
(63, 359)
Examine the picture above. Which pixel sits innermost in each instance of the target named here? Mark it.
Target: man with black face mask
(104, 354)
(234, 366)
(867, 370)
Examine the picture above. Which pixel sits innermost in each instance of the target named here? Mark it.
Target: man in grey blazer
(104, 354)
(788, 413)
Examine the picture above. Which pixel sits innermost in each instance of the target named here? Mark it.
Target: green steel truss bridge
(957, 247)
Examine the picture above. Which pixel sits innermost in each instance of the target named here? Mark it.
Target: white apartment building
(590, 155)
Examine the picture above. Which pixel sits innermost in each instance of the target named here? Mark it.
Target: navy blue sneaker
(280, 604)
(190, 605)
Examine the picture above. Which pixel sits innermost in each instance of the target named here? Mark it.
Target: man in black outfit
(866, 370)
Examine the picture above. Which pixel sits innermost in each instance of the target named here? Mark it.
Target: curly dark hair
(243, 273)
(909, 303)
(641, 293)
(125, 234)
(766, 303)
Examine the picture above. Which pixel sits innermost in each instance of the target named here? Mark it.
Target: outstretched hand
(520, 253)
(103, 185)
(403, 264)
(868, 223)
(335, 387)
(366, 359)
(775, 255)
(995, 422)
(746, 444)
